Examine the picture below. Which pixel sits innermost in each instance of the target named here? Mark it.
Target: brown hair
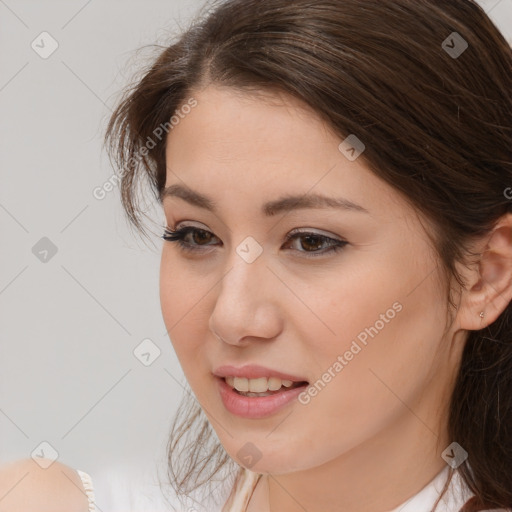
(436, 126)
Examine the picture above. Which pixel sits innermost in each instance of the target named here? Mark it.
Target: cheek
(183, 302)
(373, 341)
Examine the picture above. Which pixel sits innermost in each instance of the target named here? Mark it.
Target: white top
(456, 496)
(125, 489)
(89, 490)
(453, 500)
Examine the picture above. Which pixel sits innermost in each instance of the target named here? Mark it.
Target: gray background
(69, 325)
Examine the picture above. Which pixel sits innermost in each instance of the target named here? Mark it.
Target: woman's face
(363, 325)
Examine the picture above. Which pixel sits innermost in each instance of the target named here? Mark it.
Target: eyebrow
(283, 204)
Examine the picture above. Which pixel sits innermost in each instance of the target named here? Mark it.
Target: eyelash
(180, 234)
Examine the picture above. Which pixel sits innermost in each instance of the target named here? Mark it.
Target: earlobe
(489, 288)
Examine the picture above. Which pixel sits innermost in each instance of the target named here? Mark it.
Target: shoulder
(24, 485)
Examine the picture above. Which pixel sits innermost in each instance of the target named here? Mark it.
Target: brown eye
(199, 236)
(191, 239)
(312, 243)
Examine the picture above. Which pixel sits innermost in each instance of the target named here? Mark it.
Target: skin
(26, 486)
(373, 436)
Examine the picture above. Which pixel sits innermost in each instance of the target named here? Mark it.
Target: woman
(336, 275)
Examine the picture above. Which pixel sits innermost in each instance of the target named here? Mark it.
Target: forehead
(257, 124)
(236, 146)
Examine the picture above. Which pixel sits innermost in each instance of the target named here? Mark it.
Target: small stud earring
(481, 314)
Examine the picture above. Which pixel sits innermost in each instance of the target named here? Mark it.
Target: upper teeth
(257, 385)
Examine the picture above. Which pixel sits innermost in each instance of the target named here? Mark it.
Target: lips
(256, 405)
(254, 371)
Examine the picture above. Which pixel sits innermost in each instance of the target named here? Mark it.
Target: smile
(260, 387)
(271, 395)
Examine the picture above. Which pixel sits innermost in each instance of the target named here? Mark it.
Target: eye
(310, 240)
(191, 239)
(181, 236)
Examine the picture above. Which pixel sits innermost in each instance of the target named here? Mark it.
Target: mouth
(258, 398)
(262, 386)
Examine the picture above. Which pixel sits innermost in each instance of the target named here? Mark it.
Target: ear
(489, 287)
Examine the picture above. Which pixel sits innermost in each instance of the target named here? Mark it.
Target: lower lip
(256, 407)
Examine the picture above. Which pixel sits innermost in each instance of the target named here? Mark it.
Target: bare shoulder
(25, 485)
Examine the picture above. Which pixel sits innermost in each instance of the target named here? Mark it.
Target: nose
(246, 306)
